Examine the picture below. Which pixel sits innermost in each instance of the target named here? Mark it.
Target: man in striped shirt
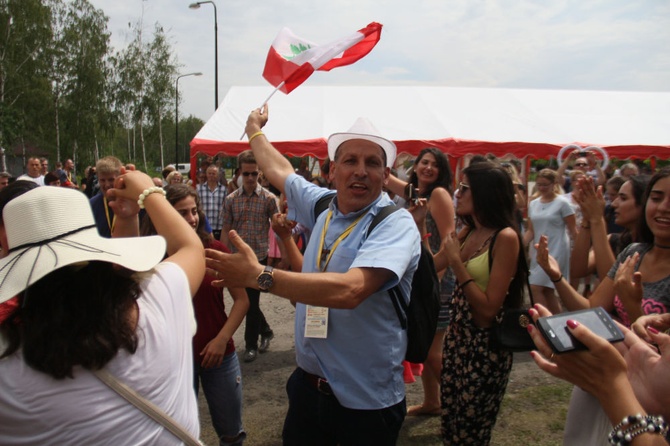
(248, 211)
(212, 193)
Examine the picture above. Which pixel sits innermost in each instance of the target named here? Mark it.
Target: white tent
(459, 121)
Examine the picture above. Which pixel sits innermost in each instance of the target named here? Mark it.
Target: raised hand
(547, 262)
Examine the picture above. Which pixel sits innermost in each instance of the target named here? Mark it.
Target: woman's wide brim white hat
(51, 227)
(362, 129)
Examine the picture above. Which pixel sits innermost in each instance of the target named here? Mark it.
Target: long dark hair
(494, 205)
(444, 177)
(644, 233)
(174, 194)
(74, 316)
(639, 185)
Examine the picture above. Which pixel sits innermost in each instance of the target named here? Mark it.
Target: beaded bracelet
(634, 425)
(148, 191)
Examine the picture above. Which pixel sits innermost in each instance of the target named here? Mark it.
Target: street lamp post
(176, 118)
(196, 5)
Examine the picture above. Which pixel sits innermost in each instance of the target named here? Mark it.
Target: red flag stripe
(342, 52)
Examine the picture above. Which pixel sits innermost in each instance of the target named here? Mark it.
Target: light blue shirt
(362, 355)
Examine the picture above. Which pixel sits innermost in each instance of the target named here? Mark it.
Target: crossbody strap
(146, 406)
(521, 263)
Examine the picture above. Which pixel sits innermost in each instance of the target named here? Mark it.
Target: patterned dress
(474, 378)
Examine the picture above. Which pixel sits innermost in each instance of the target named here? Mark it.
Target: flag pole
(265, 102)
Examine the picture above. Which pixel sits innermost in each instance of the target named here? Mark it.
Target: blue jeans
(316, 418)
(222, 387)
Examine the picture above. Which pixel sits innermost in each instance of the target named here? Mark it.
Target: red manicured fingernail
(530, 327)
(652, 330)
(572, 323)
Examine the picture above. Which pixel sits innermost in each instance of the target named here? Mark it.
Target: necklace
(483, 245)
(661, 246)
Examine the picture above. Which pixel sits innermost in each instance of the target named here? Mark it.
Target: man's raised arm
(275, 167)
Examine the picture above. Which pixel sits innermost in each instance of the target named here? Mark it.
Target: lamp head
(195, 5)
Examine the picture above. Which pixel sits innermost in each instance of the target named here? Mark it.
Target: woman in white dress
(550, 214)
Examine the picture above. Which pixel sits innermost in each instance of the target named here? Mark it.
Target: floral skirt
(473, 380)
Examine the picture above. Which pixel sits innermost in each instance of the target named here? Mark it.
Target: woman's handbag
(509, 331)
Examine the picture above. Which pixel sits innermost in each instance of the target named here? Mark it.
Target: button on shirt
(362, 355)
(212, 203)
(250, 216)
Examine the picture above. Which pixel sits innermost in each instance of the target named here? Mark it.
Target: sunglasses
(463, 188)
(253, 174)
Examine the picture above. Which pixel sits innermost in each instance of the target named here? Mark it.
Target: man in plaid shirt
(248, 211)
(212, 193)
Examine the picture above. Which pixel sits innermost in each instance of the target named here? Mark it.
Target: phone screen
(597, 320)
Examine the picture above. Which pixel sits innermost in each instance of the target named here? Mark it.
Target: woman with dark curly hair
(431, 177)
(216, 366)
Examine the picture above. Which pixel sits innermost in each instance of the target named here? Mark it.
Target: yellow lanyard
(111, 222)
(342, 236)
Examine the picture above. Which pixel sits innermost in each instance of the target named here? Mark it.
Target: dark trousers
(256, 324)
(317, 418)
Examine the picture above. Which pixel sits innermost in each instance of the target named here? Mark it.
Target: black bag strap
(521, 263)
(396, 296)
(381, 215)
(322, 204)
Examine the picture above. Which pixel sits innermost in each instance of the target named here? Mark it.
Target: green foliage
(67, 92)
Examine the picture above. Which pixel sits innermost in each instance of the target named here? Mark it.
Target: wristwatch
(266, 279)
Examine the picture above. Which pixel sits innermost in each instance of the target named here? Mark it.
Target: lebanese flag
(291, 60)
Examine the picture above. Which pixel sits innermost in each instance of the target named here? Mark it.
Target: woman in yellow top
(484, 258)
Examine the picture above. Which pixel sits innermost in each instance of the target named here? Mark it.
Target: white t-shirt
(39, 180)
(37, 409)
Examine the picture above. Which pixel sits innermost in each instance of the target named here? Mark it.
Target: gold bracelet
(258, 133)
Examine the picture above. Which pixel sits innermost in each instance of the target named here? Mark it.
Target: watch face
(265, 281)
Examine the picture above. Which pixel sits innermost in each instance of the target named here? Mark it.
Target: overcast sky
(557, 44)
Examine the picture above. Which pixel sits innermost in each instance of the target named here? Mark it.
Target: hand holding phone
(557, 335)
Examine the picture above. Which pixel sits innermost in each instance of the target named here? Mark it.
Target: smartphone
(583, 154)
(414, 195)
(555, 330)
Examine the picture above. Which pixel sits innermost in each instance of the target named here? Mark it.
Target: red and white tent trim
(458, 121)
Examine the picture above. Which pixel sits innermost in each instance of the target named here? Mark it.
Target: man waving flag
(291, 60)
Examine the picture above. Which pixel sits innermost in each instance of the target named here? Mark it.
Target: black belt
(318, 383)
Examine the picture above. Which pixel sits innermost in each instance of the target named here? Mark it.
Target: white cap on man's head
(362, 129)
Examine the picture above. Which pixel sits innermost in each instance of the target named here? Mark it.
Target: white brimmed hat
(362, 129)
(51, 227)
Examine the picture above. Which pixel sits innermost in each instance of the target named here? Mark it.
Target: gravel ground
(264, 380)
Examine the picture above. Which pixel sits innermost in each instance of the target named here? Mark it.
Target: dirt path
(264, 382)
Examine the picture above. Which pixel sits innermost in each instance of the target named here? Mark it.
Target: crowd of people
(98, 294)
